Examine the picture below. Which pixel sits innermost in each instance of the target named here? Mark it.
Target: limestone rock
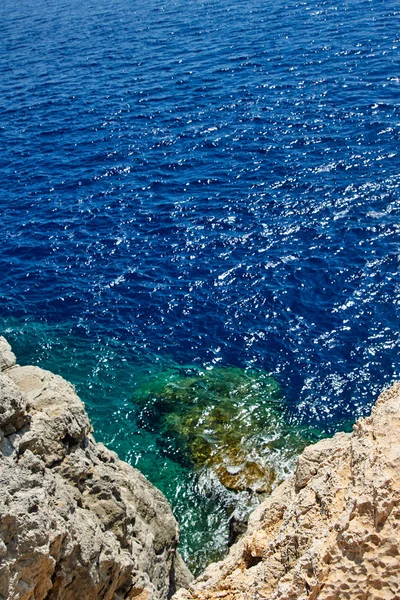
(331, 531)
(7, 357)
(75, 521)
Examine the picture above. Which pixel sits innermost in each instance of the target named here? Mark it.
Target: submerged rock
(330, 531)
(228, 420)
(75, 521)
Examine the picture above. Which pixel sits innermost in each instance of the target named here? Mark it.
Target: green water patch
(104, 372)
(227, 421)
(189, 431)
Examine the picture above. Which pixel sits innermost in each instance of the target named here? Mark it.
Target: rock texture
(75, 521)
(331, 532)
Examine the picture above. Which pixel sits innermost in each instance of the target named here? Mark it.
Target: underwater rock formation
(75, 521)
(332, 530)
(226, 420)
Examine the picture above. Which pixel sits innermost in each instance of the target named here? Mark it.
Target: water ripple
(203, 183)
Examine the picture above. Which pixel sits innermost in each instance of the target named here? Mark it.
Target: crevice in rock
(69, 442)
(250, 560)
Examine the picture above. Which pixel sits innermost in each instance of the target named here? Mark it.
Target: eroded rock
(7, 357)
(330, 531)
(75, 521)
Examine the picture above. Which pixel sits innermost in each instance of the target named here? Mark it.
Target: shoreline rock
(75, 521)
(330, 531)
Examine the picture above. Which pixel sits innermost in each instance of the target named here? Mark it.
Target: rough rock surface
(75, 521)
(330, 532)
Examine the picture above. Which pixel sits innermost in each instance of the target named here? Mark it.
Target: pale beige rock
(7, 357)
(330, 532)
(76, 523)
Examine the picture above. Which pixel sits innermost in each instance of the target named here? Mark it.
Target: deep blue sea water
(204, 183)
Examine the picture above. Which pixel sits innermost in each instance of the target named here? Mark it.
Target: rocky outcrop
(75, 521)
(332, 531)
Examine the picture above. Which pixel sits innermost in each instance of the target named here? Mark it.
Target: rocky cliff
(75, 521)
(330, 532)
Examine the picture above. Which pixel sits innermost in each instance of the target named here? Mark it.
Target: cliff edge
(75, 521)
(330, 532)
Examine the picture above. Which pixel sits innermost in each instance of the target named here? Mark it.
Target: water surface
(202, 183)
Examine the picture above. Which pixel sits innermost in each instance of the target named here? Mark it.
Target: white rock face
(75, 521)
(331, 532)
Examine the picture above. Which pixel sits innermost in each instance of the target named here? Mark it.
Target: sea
(202, 184)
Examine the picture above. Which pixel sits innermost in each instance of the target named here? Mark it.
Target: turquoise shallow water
(204, 184)
(106, 378)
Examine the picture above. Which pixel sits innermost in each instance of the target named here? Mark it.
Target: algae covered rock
(229, 420)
